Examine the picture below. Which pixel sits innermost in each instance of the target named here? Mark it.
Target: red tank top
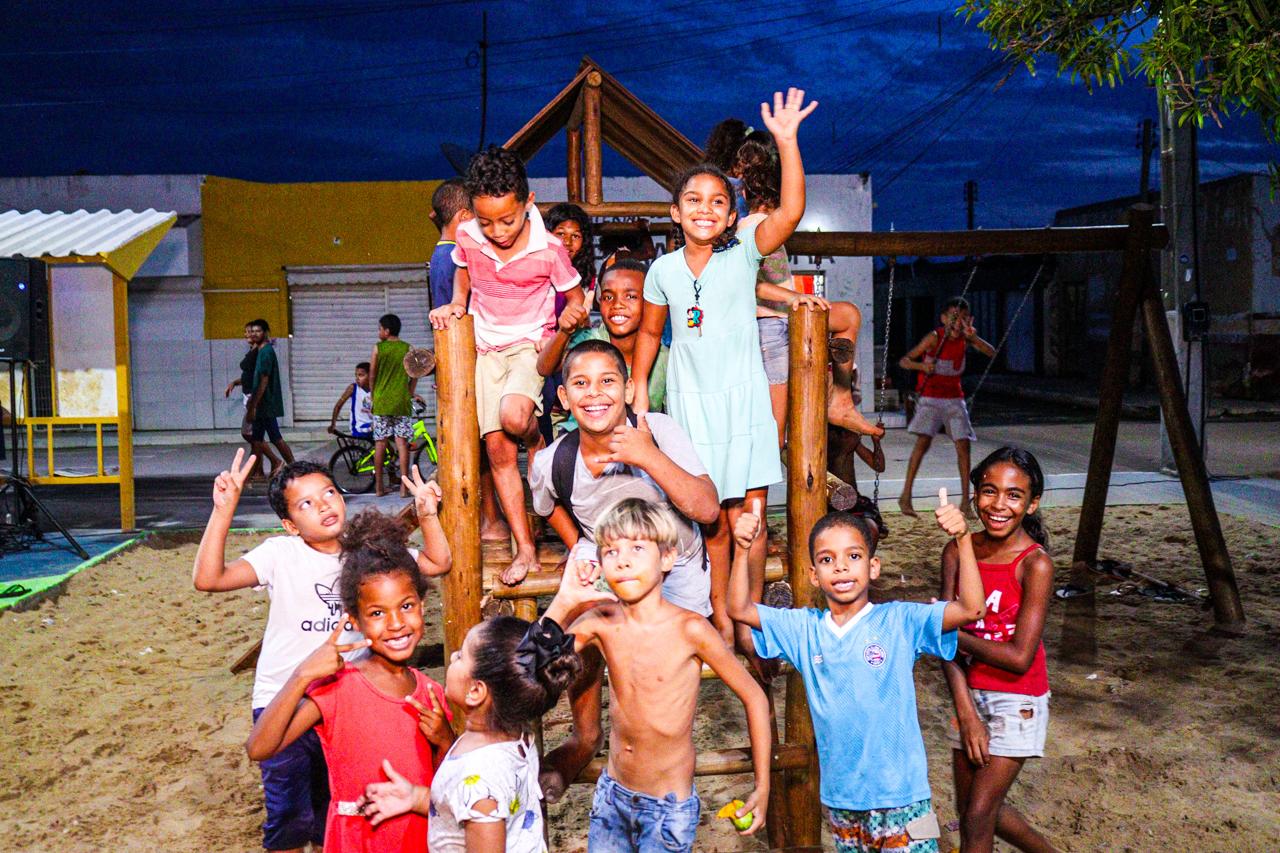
(1004, 600)
(948, 368)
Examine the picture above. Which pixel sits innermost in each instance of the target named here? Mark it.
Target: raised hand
(950, 518)
(631, 445)
(747, 528)
(572, 318)
(578, 587)
(327, 659)
(426, 494)
(385, 800)
(228, 485)
(444, 315)
(431, 720)
(786, 116)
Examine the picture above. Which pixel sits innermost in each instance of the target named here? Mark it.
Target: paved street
(174, 479)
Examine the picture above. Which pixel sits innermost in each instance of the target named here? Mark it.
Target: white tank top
(361, 409)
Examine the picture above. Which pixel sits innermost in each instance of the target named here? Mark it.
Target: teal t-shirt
(272, 403)
(657, 374)
(858, 678)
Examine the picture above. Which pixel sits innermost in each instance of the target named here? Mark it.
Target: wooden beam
(719, 762)
(1228, 615)
(1007, 241)
(573, 138)
(619, 208)
(806, 503)
(593, 143)
(547, 581)
(459, 446)
(124, 409)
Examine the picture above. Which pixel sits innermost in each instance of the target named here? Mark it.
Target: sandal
(14, 590)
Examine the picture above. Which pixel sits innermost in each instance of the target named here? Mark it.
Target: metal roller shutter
(335, 327)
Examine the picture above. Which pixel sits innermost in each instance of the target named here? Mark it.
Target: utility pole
(970, 199)
(1146, 143)
(1179, 266)
(484, 76)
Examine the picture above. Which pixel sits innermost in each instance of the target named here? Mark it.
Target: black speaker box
(24, 310)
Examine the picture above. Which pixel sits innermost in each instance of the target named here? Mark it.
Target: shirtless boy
(645, 799)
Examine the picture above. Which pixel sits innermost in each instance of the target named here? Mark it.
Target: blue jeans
(623, 821)
(295, 788)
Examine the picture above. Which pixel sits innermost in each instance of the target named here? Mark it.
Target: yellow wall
(252, 231)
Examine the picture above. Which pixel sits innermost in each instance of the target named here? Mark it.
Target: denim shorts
(1017, 725)
(295, 786)
(775, 348)
(623, 821)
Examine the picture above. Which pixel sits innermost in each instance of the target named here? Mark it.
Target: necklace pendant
(694, 319)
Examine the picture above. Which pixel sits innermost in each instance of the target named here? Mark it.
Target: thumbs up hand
(949, 516)
(631, 445)
(748, 525)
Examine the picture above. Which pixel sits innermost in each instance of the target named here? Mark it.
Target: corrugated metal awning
(121, 240)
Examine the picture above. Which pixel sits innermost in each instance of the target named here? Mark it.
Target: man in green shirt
(392, 396)
(266, 401)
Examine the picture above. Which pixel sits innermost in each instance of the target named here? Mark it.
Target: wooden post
(459, 450)
(573, 138)
(806, 503)
(124, 410)
(1079, 628)
(1111, 394)
(1228, 615)
(594, 152)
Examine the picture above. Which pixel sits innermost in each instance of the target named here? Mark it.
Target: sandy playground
(123, 727)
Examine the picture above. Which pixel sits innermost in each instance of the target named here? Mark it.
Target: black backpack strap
(563, 463)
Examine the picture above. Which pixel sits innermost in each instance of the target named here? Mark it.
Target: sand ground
(123, 728)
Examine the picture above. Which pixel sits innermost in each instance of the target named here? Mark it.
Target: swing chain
(884, 373)
(1008, 330)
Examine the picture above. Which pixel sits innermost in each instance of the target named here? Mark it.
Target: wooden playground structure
(795, 811)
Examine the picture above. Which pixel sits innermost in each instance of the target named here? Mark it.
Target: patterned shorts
(911, 829)
(392, 426)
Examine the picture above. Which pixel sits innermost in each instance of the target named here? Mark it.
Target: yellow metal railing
(50, 477)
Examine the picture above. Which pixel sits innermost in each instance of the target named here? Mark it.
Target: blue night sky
(296, 91)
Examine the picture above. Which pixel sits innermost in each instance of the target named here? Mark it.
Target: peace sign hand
(431, 721)
(327, 659)
(785, 119)
(228, 485)
(426, 494)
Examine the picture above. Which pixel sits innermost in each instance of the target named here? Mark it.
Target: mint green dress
(716, 386)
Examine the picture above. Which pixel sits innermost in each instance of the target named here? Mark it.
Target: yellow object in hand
(730, 811)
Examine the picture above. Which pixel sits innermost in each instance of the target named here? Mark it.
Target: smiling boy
(300, 572)
(645, 799)
(620, 300)
(509, 269)
(857, 661)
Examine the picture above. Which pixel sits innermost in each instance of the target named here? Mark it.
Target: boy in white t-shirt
(300, 571)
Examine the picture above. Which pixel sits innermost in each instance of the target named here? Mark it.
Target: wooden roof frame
(594, 109)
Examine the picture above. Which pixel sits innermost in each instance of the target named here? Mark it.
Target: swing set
(594, 108)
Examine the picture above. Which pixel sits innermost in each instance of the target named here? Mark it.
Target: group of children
(662, 514)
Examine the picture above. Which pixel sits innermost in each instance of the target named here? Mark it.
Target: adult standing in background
(265, 406)
(253, 336)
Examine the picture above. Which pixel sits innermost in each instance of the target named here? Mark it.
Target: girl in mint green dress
(716, 385)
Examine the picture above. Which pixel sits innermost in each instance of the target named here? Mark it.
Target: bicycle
(352, 463)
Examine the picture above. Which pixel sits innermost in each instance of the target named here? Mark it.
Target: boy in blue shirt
(450, 207)
(856, 659)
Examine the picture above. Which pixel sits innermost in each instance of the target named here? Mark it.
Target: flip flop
(1072, 591)
(14, 590)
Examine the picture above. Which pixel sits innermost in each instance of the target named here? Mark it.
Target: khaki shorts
(513, 370)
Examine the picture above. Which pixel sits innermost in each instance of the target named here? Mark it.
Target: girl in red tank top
(998, 680)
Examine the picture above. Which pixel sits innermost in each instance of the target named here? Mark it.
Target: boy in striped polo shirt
(509, 267)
